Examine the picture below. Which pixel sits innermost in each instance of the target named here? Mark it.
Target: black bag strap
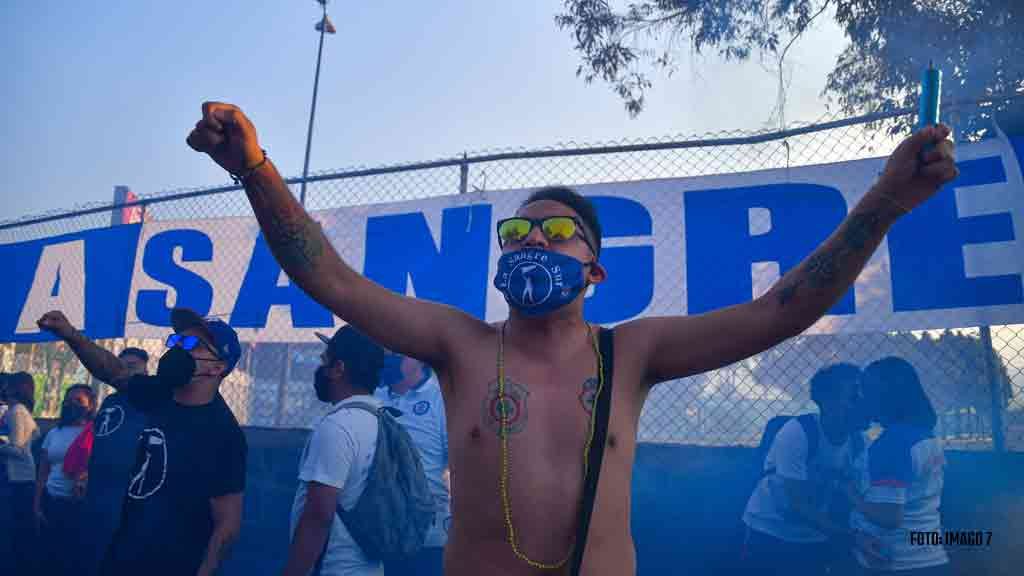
(603, 405)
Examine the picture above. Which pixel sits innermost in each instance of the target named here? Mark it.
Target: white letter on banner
(59, 284)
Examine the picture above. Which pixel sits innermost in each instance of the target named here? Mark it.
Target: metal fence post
(995, 386)
(282, 386)
(463, 175)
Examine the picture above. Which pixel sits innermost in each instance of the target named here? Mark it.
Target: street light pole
(325, 27)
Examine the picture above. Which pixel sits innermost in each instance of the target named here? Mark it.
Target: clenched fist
(56, 323)
(919, 166)
(227, 136)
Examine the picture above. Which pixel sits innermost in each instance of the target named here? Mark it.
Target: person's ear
(596, 273)
(337, 369)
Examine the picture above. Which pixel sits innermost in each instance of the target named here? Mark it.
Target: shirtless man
(549, 353)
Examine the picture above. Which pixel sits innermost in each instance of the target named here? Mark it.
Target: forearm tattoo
(298, 244)
(295, 239)
(825, 266)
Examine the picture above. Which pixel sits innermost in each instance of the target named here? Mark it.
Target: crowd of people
(110, 489)
(544, 402)
(161, 462)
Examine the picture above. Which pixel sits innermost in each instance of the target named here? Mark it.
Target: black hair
(22, 388)
(64, 417)
(363, 358)
(137, 352)
(901, 398)
(826, 382)
(361, 374)
(579, 203)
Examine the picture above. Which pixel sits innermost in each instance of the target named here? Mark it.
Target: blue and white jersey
(423, 417)
(904, 466)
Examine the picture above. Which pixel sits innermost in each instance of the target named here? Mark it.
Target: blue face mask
(536, 282)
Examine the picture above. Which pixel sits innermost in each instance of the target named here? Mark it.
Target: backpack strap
(369, 408)
(603, 405)
(365, 406)
(810, 425)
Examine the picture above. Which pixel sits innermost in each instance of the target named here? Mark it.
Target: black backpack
(807, 421)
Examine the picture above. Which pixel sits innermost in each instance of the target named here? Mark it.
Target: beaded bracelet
(241, 178)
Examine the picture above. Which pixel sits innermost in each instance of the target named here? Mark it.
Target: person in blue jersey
(116, 429)
(410, 386)
(899, 486)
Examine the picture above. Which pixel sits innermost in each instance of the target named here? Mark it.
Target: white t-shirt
(339, 453)
(424, 418)
(16, 452)
(768, 509)
(904, 466)
(55, 446)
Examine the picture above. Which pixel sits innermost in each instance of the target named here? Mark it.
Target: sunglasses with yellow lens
(555, 229)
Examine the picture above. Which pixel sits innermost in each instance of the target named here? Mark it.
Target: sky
(102, 94)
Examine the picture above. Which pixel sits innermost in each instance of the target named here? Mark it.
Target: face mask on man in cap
(352, 364)
(200, 349)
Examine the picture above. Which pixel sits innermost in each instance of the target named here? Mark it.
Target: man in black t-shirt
(183, 504)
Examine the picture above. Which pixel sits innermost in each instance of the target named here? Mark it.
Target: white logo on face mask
(533, 281)
(150, 469)
(109, 420)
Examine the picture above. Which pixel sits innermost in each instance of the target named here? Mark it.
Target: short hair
(826, 382)
(363, 357)
(579, 203)
(89, 392)
(21, 387)
(901, 398)
(137, 352)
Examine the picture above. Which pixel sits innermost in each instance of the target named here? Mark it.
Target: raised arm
(675, 347)
(100, 362)
(416, 328)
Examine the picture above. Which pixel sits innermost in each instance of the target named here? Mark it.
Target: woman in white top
(16, 457)
(899, 485)
(58, 508)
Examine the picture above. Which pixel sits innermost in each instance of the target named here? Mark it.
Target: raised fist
(919, 166)
(227, 136)
(56, 323)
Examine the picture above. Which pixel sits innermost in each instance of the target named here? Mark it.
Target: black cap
(363, 357)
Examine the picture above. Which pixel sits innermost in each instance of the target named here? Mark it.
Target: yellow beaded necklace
(506, 505)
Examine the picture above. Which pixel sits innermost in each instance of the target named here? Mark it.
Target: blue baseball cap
(223, 337)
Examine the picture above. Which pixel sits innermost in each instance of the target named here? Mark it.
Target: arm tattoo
(513, 407)
(298, 244)
(295, 239)
(824, 267)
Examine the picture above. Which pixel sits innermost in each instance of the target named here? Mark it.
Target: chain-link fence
(974, 376)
